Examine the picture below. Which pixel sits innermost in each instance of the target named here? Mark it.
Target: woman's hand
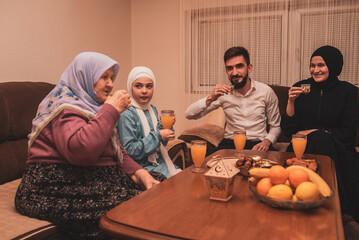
(143, 178)
(120, 100)
(167, 134)
(294, 92)
(306, 132)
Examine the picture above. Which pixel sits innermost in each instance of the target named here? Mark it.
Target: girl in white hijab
(140, 131)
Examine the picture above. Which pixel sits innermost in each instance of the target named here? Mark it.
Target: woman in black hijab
(329, 116)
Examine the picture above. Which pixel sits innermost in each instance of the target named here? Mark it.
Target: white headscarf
(136, 73)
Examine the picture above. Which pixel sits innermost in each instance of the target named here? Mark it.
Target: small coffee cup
(306, 88)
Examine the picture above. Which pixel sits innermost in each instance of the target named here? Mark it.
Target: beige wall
(39, 38)
(156, 43)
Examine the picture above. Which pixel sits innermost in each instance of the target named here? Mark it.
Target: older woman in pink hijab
(76, 168)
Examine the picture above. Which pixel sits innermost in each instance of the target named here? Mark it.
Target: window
(339, 28)
(280, 38)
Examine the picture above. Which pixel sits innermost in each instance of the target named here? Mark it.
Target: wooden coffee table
(179, 208)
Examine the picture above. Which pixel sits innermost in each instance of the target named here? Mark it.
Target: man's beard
(237, 85)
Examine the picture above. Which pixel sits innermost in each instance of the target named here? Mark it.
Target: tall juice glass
(167, 118)
(239, 138)
(299, 142)
(198, 153)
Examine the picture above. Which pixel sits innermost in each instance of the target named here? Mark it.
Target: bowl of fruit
(294, 187)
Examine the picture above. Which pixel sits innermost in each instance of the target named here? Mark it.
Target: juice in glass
(239, 138)
(167, 118)
(198, 153)
(299, 145)
(167, 121)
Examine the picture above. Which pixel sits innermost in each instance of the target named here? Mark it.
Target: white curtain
(280, 36)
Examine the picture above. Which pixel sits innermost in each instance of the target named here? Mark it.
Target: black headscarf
(332, 57)
(334, 60)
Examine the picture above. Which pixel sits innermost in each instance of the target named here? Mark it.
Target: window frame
(298, 66)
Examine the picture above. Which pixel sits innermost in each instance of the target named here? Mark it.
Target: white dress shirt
(251, 112)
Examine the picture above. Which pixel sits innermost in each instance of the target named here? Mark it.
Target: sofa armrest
(178, 152)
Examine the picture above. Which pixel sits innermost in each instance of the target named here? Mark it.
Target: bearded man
(249, 105)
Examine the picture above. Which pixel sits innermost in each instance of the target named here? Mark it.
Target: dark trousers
(229, 144)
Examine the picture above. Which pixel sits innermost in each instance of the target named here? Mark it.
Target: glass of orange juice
(299, 142)
(239, 138)
(167, 118)
(198, 153)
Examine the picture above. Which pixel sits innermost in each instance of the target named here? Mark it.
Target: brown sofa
(213, 129)
(18, 106)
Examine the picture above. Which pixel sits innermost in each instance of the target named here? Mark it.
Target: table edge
(130, 232)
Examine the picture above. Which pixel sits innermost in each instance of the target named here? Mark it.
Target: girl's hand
(120, 100)
(174, 120)
(167, 134)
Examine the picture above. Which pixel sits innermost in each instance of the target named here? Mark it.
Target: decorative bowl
(288, 204)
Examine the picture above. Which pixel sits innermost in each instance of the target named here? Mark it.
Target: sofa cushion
(282, 94)
(13, 155)
(19, 102)
(217, 117)
(17, 226)
(209, 132)
(18, 106)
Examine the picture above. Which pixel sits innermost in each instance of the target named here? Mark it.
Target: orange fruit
(278, 174)
(307, 191)
(297, 176)
(263, 186)
(281, 191)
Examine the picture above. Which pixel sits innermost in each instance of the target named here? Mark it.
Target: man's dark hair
(237, 51)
